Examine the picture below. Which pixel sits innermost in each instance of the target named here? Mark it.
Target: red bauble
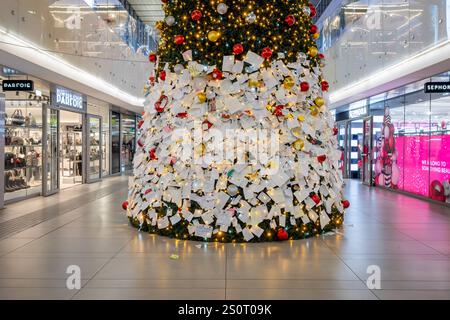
(290, 20)
(162, 75)
(207, 124)
(315, 198)
(153, 154)
(125, 205)
(304, 86)
(345, 204)
(182, 115)
(279, 110)
(335, 131)
(179, 39)
(161, 103)
(313, 29)
(282, 234)
(140, 123)
(196, 15)
(140, 144)
(238, 49)
(321, 56)
(152, 57)
(313, 10)
(266, 53)
(325, 85)
(217, 74)
(321, 158)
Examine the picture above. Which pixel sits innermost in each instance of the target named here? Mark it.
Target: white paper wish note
(282, 221)
(248, 235)
(163, 222)
(257, 231)
(313, 215)
(222, 200)
(224, 219)
(228, 63)
(203, 231)
(324, 220)
(175, 219)
(254, 59)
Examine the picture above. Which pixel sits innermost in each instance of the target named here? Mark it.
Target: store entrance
(357, 141)
(350, 138)
(71, 149)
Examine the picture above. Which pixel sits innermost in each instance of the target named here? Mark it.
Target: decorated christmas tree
(236, 143)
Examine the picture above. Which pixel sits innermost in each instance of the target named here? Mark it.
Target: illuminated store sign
(17, 85)
(437, 87)
(356, 113)
(69, 99)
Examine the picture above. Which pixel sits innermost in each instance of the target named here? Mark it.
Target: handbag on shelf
(10, 160)
(32, 159)
(17, 118)
(16, 141)
(8, 137)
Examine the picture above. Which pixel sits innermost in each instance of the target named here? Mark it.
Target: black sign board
(437, 87)
(18, 85)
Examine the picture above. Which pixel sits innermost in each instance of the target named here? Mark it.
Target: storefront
(55, 138)
(123, 139)
(400, 139)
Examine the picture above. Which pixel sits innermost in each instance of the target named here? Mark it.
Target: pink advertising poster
(413, 163)
(418, 164)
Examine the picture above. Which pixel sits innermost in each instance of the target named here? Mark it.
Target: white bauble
(222, 8)
(250, 18)
(170, 20)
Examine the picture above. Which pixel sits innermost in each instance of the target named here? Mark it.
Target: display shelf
(10, 126)
(24, 145)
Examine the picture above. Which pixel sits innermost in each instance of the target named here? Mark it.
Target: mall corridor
(408, 239)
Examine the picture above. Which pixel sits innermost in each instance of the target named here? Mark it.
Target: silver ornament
(307, 11)
(170, 20)
(232, 190)
(250, 18)
(222, 8)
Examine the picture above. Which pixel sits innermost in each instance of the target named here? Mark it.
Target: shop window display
(440, 147)
(23, 148)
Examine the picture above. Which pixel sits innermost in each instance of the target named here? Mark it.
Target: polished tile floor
(408, 239)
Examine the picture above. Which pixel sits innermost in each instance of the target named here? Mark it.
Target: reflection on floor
(407, 238)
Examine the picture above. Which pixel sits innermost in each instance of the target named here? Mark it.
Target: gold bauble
(288, 82)
(299, 144)
(200, 149)
(297, 132)
(314, 111)
(269, 108)
(201, 97)
(301, 118)
(213, 36)
(313, 51)
(319, 101)
(316, 35)
(253, 83)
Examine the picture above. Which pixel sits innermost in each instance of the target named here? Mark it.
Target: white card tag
(175, 219)
(247, 234)
(203, 231)
(163, 222)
